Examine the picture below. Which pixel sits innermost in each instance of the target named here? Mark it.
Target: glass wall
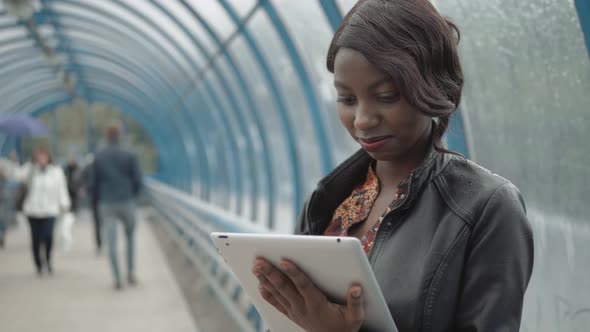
(526, 97)
(312, 33)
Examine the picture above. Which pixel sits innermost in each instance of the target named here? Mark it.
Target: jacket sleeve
(301, 227)
(62, 188)
(91, 176)
(136, 175)
(498, 266)
(14, 171)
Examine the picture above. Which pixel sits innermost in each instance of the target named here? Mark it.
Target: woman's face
(42, 158)
(373, 111)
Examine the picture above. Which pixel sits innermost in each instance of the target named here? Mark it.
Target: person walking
(116, 180)
(44, 199)
(86, 175)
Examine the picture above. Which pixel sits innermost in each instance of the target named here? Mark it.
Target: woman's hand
(291, 292)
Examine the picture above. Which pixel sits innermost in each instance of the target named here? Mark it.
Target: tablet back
(332, 263)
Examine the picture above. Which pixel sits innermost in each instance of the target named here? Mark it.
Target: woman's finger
(269, 297)
(355, 311)
(282, 284)
(304, 285)
(270, 288)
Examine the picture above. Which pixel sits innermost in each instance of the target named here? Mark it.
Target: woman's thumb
(354, 305)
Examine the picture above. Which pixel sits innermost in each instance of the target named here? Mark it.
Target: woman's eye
(389, 99)
(347, 100)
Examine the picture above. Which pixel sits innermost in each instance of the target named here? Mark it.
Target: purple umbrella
(21, 125)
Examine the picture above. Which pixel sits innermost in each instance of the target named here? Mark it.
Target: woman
(46, 198)
(448, 241)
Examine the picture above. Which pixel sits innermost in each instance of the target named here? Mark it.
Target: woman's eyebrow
(373, 85)
(340, 85)
(380, 82)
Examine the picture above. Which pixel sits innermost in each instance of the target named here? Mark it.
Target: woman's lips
(373, 144)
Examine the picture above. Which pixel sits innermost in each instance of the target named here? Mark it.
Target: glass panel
(170, 28)
(19, 44)
(15, 94)
(217, 17)
(122, 43)
(345, 5)
(22, 62)
(126, 74)
(130, 20)
(312, 34)
(117, 47)
(527, 100)
(273, 128)
(248, 123)
(213, 134)
(243, 7)
(223, 65)
(290, 85)
(12, 32)
(234, 132)
(186, 18)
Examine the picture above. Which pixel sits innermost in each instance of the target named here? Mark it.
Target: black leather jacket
(456, 256)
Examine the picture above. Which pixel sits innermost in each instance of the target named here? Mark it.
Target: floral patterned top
(356, 208)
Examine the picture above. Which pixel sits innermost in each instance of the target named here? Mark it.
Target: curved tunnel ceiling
(174, 67)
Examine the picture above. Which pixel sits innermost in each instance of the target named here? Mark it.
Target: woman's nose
(365, 118)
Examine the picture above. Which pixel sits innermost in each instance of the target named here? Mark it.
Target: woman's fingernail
(356, 293)
(288, 268)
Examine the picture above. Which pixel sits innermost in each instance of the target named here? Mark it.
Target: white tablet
(332, 263)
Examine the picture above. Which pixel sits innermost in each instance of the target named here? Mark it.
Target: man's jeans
(111, 214)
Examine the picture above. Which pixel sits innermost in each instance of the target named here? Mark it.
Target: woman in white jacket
(46, 199)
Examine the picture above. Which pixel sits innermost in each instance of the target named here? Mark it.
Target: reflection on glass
(526, 94)
(312, 34)
(272, 125)
(242, 7)
(290, 86)
(216, 15)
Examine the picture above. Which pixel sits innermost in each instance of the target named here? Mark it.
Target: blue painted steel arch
(279, 102)
(239, 76)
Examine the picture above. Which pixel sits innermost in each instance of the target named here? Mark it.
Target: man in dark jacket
(86, 177)
(116, 180)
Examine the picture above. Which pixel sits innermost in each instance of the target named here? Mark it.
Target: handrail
(188, 221)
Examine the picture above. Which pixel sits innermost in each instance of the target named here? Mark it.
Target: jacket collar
(338, 184)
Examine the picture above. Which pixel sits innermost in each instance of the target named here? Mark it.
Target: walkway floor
(80, 295)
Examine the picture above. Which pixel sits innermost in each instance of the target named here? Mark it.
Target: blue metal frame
(89, 48)
(583, 8)
(281, 107)
(142, 35)
(53, 19)
(232, 143)
(267, 164)
(34, 97)
(332, 12)
(53, 106)
(236, 108)
(236, 166)
(307, 85)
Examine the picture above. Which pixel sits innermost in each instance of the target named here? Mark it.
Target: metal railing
(188, 222)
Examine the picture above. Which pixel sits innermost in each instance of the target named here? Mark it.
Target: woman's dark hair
(412, 43)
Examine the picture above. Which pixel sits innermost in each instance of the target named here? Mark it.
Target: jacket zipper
(381, 232)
